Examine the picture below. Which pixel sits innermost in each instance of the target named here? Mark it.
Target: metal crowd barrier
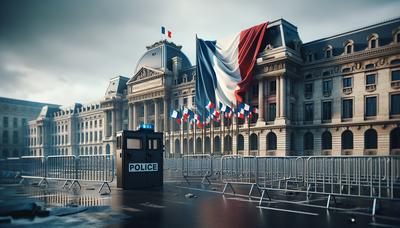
(238, 169)
(68, 168)
(197, 166)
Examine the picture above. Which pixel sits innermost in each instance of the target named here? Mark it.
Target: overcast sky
(66, 51)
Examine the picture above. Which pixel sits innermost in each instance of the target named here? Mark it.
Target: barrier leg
(74, 183)
(205, 178)
(374, 207)
(65, 183)
(43, 181)
(22, 180)
(230, 185)
(105, 184)
(263, 192)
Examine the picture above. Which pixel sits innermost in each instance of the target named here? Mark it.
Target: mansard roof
(359, 38)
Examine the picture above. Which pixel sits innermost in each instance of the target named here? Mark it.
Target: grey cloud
(65, 51)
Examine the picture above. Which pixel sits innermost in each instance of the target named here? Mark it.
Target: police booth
(139, 157)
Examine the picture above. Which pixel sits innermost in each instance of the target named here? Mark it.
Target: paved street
(181, 205)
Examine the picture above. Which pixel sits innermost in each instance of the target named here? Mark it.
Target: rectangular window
(370, 79)
(133, 144)
(326, 110)
(15, 122)
(370, 106)
(100, 135)
(396, 75)
(5, 137)
(347, 108)
(347, 82)
(5, 121)
(272, 87)
(327, 86)
(185, 101)
(308, 89)
(176, 103)
(271, 112)
(373, 43)
(328, 53)
(309, 112)
(15, 137)
(395, 104)
(100, 123)
(348, 49)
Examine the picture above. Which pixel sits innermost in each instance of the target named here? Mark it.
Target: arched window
(371, 139)
(199, 146)
(373, 41)
(91, 151)
(349, 47)
(271, 141)
(395, 138)
(185, 146)
(86, 151)
(167, 147)
(240, 142)
(217, 144)
(100, 150)
(177, 146)
(326, 140)
(347, 140)
(253, 142)
(328, 51)
(396, 35)
(228, 144)
(308, 141)
(108, 150)
(207, 144)
(95, 150)
(191, 151)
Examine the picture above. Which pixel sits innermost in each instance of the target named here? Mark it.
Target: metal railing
(68, 168)
(197, 166)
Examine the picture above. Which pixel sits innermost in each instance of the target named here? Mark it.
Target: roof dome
(160, 54)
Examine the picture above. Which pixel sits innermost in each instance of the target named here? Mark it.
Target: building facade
(338, 95)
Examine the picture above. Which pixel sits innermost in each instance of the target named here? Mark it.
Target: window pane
(370, 79)
(347, 108)
(347, 82)
(395, 75)
(326, 110)
(370, 106)
(133, 144)
(395, 104)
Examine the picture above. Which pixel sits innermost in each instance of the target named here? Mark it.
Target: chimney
(176, 65)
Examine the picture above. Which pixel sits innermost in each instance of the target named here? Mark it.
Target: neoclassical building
(339, 95)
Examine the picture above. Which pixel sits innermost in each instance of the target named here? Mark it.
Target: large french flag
(224, 67)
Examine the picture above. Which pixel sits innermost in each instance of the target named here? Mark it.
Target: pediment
(145, 73)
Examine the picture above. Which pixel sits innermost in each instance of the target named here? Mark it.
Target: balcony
(326, 152)
(308, 95)
(327, 93)
(395, 84)
(370, 151)
(347, 90)
(370, 88)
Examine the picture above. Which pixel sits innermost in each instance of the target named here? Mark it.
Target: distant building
(14, 118)
(338, 95)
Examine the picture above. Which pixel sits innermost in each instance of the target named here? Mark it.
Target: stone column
(105, 125)
(166, 111)
(282, 97)
(113, 123)
(156, 115)
(130, 116)
(134, 116)
(261, 101)
(277, 99)
(145, 111)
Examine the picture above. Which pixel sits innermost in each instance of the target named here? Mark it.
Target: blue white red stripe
(224, 67)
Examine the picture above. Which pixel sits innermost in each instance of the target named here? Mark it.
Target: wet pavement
(179, 204)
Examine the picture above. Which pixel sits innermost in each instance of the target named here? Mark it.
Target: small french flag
(209, 105)
(254, 110)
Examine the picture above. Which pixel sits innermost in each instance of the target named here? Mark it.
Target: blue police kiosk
(139, 157)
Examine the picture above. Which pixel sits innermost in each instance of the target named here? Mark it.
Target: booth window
(153, 144)
(133, 144)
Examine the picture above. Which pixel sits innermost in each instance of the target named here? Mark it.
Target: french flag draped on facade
(224, 67)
